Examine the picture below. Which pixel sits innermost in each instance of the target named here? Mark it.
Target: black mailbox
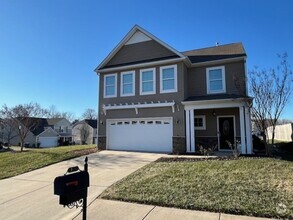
(71, 187)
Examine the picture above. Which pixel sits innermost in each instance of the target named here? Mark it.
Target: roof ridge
(203, 48)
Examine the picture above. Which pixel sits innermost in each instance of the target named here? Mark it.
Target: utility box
(71, 187)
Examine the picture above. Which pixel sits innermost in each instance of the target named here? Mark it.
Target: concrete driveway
(30, 195)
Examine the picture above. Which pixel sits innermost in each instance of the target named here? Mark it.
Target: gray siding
(235, 79)
(144, 98)
(211, 121)
(178, 116)
(139, 52)
(30, 138)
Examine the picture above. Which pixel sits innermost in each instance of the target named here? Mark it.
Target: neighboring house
(154, 98)
(45, 133)
(63, 127)
(85, 131)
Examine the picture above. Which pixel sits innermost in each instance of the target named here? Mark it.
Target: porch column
(248, 130)
(187, 124)
(192, 144)
(242, 130)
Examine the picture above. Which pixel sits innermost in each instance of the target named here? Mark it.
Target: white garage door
(152, 134)
(48, 141)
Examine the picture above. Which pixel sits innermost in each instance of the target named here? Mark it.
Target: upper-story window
(127, 83)
(216, 80)
(168, 79)
(148, 81)
(110, 85)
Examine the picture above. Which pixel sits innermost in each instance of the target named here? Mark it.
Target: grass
(248, 186)
(14, 162)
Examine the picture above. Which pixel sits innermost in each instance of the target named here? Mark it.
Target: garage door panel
(140, 135)
(48, 141)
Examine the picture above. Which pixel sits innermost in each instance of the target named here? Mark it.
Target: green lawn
(15, 162)
(248, 186)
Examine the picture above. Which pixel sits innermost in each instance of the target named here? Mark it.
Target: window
(110, 82)
(199, 122)
(216, 80)
(168, 79)
(127, 83)
(147, 81)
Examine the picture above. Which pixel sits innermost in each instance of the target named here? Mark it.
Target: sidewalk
(115, 210)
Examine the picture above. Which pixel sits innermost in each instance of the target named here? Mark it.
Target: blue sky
(49, 48)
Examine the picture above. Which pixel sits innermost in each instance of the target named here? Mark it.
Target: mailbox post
(72, 188)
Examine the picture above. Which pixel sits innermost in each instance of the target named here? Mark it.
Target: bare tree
(271, 90)
(284, 121)
(89, 114)
(8, 130)
(52, 112)
(84, 133)
(23, 118)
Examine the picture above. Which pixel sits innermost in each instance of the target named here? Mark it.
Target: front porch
(220, 124)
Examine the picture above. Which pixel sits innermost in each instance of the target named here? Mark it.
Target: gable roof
(136, 29)
(221, 52)
(91, 122)
(47, 130)
(36, 125)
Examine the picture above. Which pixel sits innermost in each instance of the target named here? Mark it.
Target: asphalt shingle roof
(215, 97)
(226, 51)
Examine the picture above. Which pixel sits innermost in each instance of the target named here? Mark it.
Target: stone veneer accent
(179, 145)
(102, 143)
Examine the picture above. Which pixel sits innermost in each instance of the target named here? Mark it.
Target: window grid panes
(110, 85)
(199, 122)
(147, 81)
(216, 80)
(127, 84)
(215, 77)
(168, 79)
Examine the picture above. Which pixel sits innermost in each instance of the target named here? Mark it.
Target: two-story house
(154, 98)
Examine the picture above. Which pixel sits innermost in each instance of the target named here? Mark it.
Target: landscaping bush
(258, 144)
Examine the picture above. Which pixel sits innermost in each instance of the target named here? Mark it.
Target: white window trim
(203, 127)
(175, 79)
(154, 81)
(133, 84)
(115, 93)
(223, 80)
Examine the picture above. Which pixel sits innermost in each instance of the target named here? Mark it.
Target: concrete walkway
(115, 210)
(30, 195)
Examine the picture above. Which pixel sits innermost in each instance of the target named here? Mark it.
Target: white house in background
(63, 127)
(85, 126)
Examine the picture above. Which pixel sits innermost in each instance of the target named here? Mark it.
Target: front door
(226, 132)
